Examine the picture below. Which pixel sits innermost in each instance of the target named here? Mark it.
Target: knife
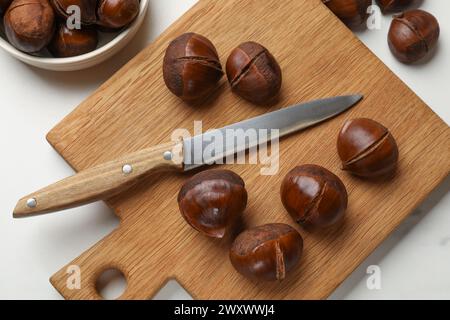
(107, 179)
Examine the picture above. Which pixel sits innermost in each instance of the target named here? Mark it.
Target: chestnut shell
(253, 73)
(212, 200)
(268, 252)
(413, 35)
(116, 14)
(314, 196)
(70, 43)
(87, 9)
(29, 24)
(394, 5)
(367, 149)
(191, 67)
(351, 12)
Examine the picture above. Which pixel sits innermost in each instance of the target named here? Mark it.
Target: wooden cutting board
(319, 57)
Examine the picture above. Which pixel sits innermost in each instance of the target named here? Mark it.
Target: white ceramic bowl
(103, 52)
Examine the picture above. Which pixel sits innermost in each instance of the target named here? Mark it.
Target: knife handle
(101, 181)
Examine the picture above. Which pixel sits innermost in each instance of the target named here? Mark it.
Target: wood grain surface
(319, 58)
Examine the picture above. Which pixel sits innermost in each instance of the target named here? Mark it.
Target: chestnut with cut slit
(115, 14)
(413, 35)
(29, 24)
(351, 12)
(367, 149)
(212, 201)
(191, 67)
(253, 73)
(314, 196)
(87, 9)
(268, 252)
(70, 43)
(395, 5)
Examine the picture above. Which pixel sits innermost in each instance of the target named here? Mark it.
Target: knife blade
(286, 120)
(106, 180)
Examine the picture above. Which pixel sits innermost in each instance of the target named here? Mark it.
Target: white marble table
(414, 261)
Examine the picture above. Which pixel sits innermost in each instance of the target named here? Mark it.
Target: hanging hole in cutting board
(111, 284)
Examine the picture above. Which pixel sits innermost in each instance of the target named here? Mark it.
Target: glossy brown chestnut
(253, 73)
(116, 13)
(367, 148)
(413, 35)
(394, 5)
(212, 200)
(191, 67)
(87, 9)
(29, 24)
(70, 43)
(352, 12)
(268, 252)
(4, 4)
(314, 196)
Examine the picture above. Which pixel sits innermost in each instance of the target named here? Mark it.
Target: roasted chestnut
(212, 200)
(268, 252)
(29, 24)
(69, 43)
(4, 4)
(367, 149)
(116, 14)
(394, 5)
(352, 12)
(87, 9)
(413, 35)
(253, 73)
(191, 67)
(314, 196)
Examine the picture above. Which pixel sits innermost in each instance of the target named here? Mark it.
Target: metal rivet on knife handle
(167, 155)
(127, 169)
(31, 203)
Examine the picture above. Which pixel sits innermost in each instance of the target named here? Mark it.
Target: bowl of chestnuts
(67, 35)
